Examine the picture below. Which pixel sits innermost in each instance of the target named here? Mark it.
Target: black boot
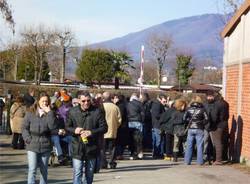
(175, 155)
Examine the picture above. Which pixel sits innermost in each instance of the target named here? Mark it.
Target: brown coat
(113, 118)
(17, 113)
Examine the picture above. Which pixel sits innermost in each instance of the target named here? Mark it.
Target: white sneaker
(131, 158)
(140, 155)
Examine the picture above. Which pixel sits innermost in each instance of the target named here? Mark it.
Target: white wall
(237, 45)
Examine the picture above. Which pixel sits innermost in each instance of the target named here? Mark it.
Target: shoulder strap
(190, 121)
(13, 113)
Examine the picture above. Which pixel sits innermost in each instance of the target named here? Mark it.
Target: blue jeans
(157, 143)
(198, 135)
(83, 171)
(56, 141)
(136, 135)
(35, 160)
(135, 124)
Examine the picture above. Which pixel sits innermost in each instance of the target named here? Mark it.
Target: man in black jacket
(216, 127)
(224, 111)
(136, 117)
(147, 129)
(86, 123)
(157, 109)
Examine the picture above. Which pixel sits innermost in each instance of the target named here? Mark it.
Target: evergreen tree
(184, 69)
(95, 66)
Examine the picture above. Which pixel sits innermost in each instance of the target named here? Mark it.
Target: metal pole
(15, 75)
(142, 68)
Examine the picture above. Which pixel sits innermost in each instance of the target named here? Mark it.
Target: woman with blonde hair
(39, 124)
(17, 113)
(196, 118)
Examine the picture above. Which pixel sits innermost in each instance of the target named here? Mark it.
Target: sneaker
(167, 158)
(140, 155)
(131, 158)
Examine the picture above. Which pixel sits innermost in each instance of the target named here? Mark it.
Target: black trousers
(169, 144)
(17, 141)
(109, 151)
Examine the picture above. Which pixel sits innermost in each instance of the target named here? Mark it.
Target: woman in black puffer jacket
(196, 119)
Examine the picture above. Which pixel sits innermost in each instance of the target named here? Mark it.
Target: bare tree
(231, 6)
(64, 40)
(150, 73)
(160, 45)
(227, 8)
(39, 43)
(7, 14)
(54, 61)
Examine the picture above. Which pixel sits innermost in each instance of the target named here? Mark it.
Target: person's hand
(61, 132)
(46, 108)
(85, 133)
(78, 130)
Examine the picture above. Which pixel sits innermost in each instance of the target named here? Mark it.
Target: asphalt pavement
(13, 170)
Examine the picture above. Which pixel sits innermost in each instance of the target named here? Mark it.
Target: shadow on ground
(11, 154)
(49, 181)
(141, 167)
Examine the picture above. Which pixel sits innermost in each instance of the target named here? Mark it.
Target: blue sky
(99, 20)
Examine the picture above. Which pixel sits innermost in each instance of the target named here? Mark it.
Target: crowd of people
(98, 128)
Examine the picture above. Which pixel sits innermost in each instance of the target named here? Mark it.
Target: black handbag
(181, 130)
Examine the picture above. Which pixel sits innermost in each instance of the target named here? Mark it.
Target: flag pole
(142, 68)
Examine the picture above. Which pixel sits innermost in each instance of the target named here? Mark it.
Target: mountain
(199, 35)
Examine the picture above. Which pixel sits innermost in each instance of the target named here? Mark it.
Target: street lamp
(164, 79)
(50, 76)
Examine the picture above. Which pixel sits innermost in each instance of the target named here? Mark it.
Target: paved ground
(13, 170)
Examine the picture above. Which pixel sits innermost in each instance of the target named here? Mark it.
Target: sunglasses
(83, 101)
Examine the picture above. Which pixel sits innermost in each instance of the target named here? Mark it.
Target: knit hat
(210, 93)
(65, 97)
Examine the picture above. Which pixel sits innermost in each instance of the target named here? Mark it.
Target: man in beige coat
(113, 119)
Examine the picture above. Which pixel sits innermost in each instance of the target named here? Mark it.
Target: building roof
(234, 21)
